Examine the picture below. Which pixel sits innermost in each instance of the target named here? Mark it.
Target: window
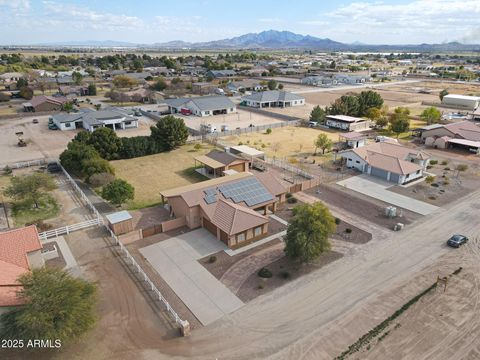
(207, 112)
(231, 109)
(358, 162)
(350, 159)
(241, 237)
(418, 171)
(258, 231)
(128, 123)
(68, 125)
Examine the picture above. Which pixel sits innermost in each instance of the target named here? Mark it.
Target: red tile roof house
(45, 103)
(233, 208)
(20, 251)
(389, 161)
(463, 135)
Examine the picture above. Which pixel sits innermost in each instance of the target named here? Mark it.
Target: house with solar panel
(233, 208)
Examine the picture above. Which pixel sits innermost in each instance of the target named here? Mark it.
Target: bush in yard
(57, 306)
(212, 259)
(433, 162)
(268, 131)
(265, 273)
(318, 114)
(292, 200)
(118, 192)
(337, 221)
(101, 179)
(169, 133)
(447, 169)
(92, 90)
(288, 195)
(444, 162)
(7, 170)
(429, 179)
(461, 167)
(197, 147)
(136, 146)
(308, 232)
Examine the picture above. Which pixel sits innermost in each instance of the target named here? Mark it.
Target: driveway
(175, 260)
(378, 189)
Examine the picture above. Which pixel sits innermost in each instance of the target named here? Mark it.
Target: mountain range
(273, 39)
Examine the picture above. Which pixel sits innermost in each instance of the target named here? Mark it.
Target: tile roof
(465, 129)
(224, 157)
(234, 219)
(14, 247)
(37, 100)
(391, 157)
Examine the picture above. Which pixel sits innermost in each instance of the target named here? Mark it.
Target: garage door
(210, 227)
(394, 178)
(379, 173)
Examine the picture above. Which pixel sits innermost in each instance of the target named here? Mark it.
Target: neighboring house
(347, 123)
(387, 160)
(20, 251)
(219, 163)
(143, 95)
(273, 98)
(140, 77)
(202, 105)
(73, 91)
(324, 81)
(461, 101)
(233, 208)
(351, 79)
(244, 85)
(463, 135)
(45, 103)
(203, 88)
(353, 139)
(220, 73)
(10, 77)
(88, 119)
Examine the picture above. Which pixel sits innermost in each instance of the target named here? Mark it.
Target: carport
(469, 145)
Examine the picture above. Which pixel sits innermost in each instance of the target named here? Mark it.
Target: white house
(114, 118)
(348, 123)
(202, 105)
(273, 98)
(387, 160)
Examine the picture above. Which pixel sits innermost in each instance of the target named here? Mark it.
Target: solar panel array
(249, 190)
(210, 195)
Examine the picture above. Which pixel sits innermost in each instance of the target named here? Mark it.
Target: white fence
(182, 323)
(24, 164)
(70, 228)
(285, 165)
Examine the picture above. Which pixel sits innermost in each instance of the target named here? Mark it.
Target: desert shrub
(268, 131)
(337, 221)
(429, 167)
(292, 200)
(348, 230)
(101, 179)
(432, 197)
(447, 169)
(265, 273)
(212, 259)
(7, 170)
(197, 147)
(446, 182)
(435, 185)
(444, 162)
(433, 162)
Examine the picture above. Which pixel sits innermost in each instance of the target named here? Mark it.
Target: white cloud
(269, 20)
(16, 5)
(419, 20)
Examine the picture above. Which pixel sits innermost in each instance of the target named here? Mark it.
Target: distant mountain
(270, 39)
(273, 39)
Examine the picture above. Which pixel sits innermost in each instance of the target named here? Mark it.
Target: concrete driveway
(378, 189)
(175, 260)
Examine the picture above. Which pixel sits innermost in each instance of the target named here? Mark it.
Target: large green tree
(367, 100)
(106, 142)
(308, 232)
(77, 78)
(30, 187)
(75, 155)
(118, 191)
(345, 105)
(169, 133)
(431, 115)
(318, 114)
(399, 120)
(322, 142)
(57, 306)
(442, 94)
(272, 84)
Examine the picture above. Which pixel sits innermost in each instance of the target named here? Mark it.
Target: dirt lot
(448, 185)
(369, 209)
(302, 112)
(288, 141)
(241, 119)
(154, 173)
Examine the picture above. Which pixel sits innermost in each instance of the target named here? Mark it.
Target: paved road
(378, 189)
(287, 323)
(175, 260)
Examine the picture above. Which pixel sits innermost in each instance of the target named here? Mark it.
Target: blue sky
(149, 21)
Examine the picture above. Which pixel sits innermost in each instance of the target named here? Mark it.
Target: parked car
(312, 123)
(35, 121)
(457, 240)
(53, 167)
(184, 111)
